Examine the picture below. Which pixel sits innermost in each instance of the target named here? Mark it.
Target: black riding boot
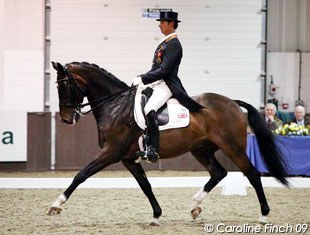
(152, 132)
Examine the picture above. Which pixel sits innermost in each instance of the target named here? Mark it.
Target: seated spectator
(272, 120)
(299, 114)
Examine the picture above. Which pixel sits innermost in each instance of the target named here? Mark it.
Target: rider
(163, 78)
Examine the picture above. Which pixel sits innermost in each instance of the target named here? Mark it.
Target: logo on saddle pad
(171, 115)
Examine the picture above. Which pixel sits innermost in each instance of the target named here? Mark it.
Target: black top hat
(168, 15)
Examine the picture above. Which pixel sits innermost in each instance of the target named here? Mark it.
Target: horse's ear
(58, 67)
(54, 65)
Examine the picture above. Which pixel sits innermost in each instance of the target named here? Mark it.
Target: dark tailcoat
(166, 61)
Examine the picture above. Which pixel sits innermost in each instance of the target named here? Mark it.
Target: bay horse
(220, 125)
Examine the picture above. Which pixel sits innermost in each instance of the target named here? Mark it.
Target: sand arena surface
(127, 211)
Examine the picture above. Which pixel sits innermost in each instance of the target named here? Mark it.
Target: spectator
(299, 114)
(272, 120)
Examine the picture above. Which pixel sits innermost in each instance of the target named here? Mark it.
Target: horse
(221, 124)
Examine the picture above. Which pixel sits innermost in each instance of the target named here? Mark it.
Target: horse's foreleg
(217, 172)
(91, 169)
(137, 171)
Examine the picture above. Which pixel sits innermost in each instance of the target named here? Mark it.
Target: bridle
(74, 98)
(74, 90)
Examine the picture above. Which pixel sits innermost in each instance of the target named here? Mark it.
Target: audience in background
(299, 114)
(272, 120)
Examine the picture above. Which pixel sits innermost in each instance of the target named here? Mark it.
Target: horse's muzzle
(67, 121)
(72, 119)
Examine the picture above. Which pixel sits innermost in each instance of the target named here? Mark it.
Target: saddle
(171, 115)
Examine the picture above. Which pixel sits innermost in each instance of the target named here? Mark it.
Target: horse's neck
(117, 105)
(103, 92)
(101, 89)
(116, 113)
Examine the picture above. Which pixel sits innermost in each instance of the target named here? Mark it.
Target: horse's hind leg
(206, 157)
(137, 171)
(242, 161)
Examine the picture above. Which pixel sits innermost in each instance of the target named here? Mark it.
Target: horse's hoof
(196, 212)
(154, 222)
(262, 219)
(54, 211)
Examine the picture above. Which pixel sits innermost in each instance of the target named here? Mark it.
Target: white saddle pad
(178, 114)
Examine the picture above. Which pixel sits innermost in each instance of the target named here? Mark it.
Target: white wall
(21, 55)
(21, 72)
(288, 25)
(220, 41)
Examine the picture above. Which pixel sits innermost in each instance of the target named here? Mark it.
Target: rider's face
(166, 27)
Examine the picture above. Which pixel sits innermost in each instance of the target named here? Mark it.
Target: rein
(76, 105)
(105, 99)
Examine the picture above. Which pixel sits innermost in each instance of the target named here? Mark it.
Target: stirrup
(149, 155)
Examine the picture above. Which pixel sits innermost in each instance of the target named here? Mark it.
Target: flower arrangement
(292, 129)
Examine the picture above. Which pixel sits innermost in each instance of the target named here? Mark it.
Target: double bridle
(74, 90)
(74, 98)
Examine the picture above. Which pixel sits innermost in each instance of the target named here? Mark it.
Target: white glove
(136, 81)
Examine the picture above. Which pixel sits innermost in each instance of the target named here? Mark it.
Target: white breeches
(161, 94)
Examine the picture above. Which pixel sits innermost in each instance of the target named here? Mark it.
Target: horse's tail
(271, 154)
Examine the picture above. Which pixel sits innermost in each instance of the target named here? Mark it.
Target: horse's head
(70, 94)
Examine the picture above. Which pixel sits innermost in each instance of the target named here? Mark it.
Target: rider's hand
(136, 81)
